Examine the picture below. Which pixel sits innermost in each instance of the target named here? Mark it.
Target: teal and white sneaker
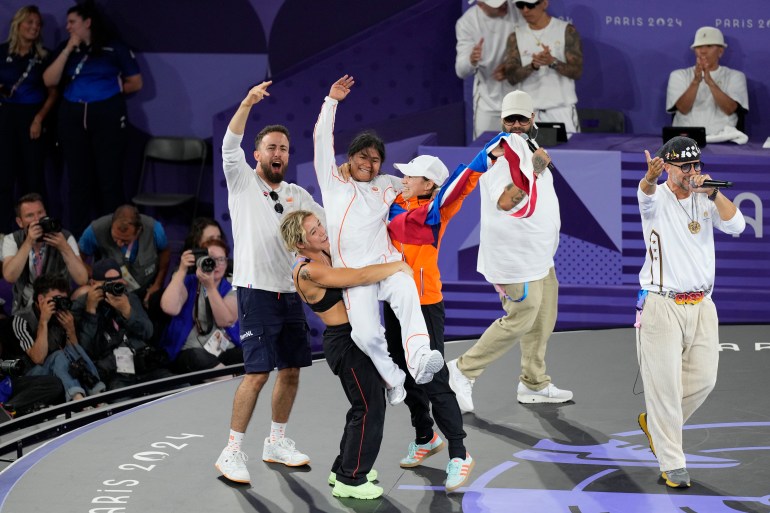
(458, 471)
(418, 452)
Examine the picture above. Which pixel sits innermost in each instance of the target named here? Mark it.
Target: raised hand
(341, 88)
(256, 94)
(654, 167)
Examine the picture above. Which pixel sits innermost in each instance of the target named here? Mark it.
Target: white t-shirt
(705, 111)
(517, 249)
(548, 88)
(675, 259)
(261, 260)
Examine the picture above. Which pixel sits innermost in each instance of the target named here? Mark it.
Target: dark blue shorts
(273, 330)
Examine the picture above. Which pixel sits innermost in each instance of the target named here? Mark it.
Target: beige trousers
(530, 321)
(678, 352)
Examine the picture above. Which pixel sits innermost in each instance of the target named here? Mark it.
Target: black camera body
(79, 370)
(61, 303)
(11, 368)
(115, 288)
(50, 225)
(202, 261)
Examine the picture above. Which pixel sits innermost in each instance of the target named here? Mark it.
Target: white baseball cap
(494, 3)
(517, 102)
(427, 166)
(708, 36)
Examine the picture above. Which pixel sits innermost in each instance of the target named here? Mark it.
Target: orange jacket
(423, 257)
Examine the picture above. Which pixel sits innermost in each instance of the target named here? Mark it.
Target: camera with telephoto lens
(11, 368)
(61, 303)
(50, 225)
(202, 261)
(115, 288)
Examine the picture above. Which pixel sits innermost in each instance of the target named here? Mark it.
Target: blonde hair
(14, 41)
(293, 229)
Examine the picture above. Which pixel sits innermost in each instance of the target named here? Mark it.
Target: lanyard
(79, 67)
(30, 65)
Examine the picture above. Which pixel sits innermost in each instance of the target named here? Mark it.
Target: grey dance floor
(587, 456)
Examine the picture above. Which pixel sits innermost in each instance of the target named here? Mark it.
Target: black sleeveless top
(331, 297)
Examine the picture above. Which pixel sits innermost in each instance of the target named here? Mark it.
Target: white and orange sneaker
(418, 452)
(458, 471)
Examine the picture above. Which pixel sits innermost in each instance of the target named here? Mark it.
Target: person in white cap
(519, 235)
(357, 200)
(707, 94)
(419, 218)
(482, 32)
(544, 57)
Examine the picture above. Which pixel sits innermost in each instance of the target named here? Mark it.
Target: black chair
(602, 120)
(163, 153)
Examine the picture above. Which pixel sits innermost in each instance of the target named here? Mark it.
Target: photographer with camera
(48, 336)
(203, 333)
(39, 247)
(114, 329)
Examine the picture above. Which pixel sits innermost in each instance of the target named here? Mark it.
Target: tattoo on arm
(304, 274)
(514, 71)
(538, 163)
(515, 196)
(573, 52)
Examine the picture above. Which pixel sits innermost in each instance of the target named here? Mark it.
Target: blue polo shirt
(91, 76)
(12, 67)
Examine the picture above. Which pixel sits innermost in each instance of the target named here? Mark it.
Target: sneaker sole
(430, 453)
(672, 484)
(306, 462)
(467, 476)
(230, 478)
(642, 420)
(435, 363)
(342, 495)
(532, 399)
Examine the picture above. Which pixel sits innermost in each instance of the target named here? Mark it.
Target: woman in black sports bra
(321, 286)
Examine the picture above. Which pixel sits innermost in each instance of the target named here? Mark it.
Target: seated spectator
(48, 335)
(114, 329)
(707, 94)
(203, 333)
(203, 229)
(39, 247)
(135, 240)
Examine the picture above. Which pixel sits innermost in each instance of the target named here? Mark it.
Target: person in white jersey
(544, 57)
(271, 319)
(707, 94)
(678, 329)
(520, 225)
(357, 200)
(482, 32)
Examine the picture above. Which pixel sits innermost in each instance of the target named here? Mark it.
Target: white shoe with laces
(396, 395)
(549, 394)
(462, 386)
(430, 363)
(232, 465)
(283, 451)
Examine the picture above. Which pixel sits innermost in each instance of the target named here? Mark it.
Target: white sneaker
(283, 451)
(396, 395)
(430, 363)
(462, 387)
(549, 394)
(232, 465)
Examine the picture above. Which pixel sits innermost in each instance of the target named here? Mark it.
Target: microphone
(717, 183)
(532, 147)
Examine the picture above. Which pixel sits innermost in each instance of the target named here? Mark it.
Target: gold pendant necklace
(693, 225)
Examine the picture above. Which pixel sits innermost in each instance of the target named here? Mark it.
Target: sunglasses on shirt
(278, 207)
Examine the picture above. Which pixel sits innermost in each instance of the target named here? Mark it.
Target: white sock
(235, 440)
(277, 431)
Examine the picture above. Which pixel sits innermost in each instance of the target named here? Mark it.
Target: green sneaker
(370, 476)
(678, 478)
(363, 491)
(642, 419)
